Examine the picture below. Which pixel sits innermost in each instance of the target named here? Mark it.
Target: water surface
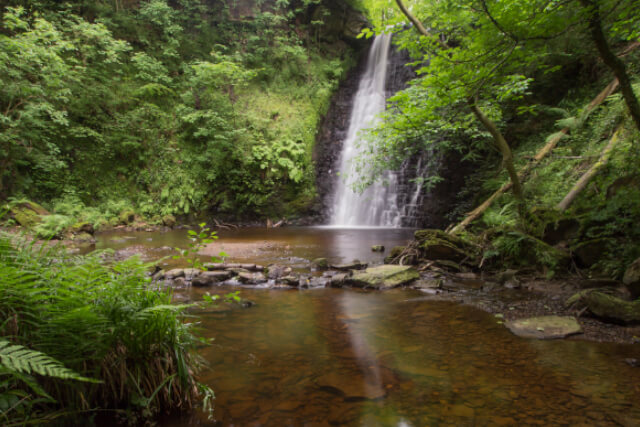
(324, 357)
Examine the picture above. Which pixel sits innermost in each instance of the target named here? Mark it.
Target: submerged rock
(384, 277)
(545, 327)
(631, 279)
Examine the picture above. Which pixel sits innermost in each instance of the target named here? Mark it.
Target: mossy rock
(32, 206)
(25, 217)
(127, 217)
(82, 227)
(83, 237)
(394, 255)
(169, 220)
(27, 214)
(383, 277)
(436, 244)
(545, 327)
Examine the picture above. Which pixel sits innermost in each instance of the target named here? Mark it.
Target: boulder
(82, 238)
(179, 282)
(276, 271)
(126, 217)
(438, 245)
(169, 221)
(158, 275)
(545, 327)
(27, 214)
(248, 278)
(317, 282)
(384, 277)
(83, 227)
(190, 273)
(338, 280)
(176, 272)
(589, 252)
(289, 281)
(631, 279)
(377, 248)
(208, 278)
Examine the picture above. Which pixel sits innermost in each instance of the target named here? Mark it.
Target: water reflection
(333, 357)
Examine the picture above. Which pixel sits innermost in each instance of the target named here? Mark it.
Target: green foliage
(101, 322)
(198, 241)
(163, 105)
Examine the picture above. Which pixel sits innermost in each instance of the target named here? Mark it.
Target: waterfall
(378, 204)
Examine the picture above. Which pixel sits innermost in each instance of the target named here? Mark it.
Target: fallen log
(544, 151)
(587, 176)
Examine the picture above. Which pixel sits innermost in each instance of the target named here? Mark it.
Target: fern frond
(24, 360)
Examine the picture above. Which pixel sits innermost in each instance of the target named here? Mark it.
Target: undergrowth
(112, 342)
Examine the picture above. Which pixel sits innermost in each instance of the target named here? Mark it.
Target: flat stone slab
(384, 276)
(545, 327)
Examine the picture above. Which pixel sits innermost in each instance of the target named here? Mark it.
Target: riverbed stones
(288, 280)
(276, 271)
(208, 278)
(338, 280)
(190, 273)
(545, 327)
(248, 278)
(631, 279)
(384, 276)
(213, 266)
(175, 273)
(353, 265)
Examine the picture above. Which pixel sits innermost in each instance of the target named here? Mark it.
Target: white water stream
(377, 206)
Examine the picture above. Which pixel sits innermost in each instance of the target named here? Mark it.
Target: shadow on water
(345, 357)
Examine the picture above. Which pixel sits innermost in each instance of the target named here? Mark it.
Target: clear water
(325, 357)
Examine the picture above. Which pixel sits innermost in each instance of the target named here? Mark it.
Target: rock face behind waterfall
(418, 208)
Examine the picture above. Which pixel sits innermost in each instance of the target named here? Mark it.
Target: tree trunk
(584, 179)
(548, 147)
(610, 59)
(501, 144)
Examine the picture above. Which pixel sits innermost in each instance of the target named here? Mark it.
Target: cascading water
(378, 204)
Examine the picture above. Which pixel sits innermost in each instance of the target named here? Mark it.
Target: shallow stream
(347, 357)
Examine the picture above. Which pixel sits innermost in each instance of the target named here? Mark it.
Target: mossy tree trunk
(610, 59)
